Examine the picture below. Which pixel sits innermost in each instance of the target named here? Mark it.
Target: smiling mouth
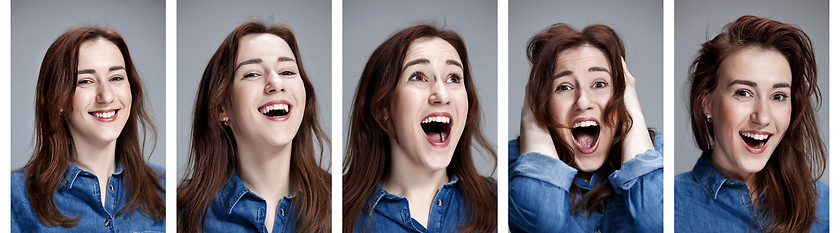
(104, 115)
(586, 135)
(275, 110)
(437, 127)
(755, 140)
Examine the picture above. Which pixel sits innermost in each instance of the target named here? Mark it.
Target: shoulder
(157, 168)
(685, 185)
(18, 186)
(822, 191)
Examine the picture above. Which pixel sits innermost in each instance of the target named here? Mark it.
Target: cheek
(81, 99)
(125, 95)
(559, 108)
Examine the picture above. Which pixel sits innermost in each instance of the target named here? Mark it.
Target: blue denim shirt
(706, 201)
(538, 198)
(390, 212)
(79, 196)
(236, 209)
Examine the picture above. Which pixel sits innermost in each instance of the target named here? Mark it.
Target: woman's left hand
(637, 140)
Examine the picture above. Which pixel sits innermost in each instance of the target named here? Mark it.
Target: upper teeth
(755, 135)
(585, 124)
(105, 114)
(268, 108)
(441, 119)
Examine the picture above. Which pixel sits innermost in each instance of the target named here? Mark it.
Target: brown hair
(366, 163)
(213, 158)
(54, 146)
(801, 150)
(543, 49)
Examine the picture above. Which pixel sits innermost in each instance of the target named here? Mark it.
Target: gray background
(203, 25)
(696, 22)
(37, 23)
(637, 22)
(474, 20)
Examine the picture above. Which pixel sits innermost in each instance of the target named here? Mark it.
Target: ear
(707, 104)
(222, 115)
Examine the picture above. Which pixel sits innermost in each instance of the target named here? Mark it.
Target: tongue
(437, 137)
(585, 140)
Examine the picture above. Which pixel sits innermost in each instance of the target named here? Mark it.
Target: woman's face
(429, 109)
(582, 88)
(750, 110)
(268, 98)
(102, 99)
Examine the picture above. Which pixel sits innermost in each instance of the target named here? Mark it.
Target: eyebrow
(92, 71)
(753, 84)
(591, 69)
(426, 61)
(257, 61)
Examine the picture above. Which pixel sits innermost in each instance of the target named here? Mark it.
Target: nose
(440, 95)
(104, 93)
(273, 84)
(760, 115)
(582, 102)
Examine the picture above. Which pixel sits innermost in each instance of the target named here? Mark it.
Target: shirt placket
(437, 213)
(107, 208)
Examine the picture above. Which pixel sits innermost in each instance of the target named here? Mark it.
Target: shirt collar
(74, 171)
(234, 190)
(709, 178)
(380, 193)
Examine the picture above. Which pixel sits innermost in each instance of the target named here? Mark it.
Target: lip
(597, 141)
(444, 143)
(110, 119)
(755, 150)
(280, 118)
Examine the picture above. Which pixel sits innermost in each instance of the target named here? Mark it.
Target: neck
(99, 159)
(410, 180)
(728, 169)
(265, 172)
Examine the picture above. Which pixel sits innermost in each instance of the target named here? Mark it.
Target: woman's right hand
(532, 136)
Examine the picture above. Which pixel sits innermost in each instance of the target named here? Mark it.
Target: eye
(416, 76)
(117, 78)
(287, 73)
(251, 75)
(454, 78)
(600, 84)
(743, 93)
(84, 82)
(563, 87)
(779, 97)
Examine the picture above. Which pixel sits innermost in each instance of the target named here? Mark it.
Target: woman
(751, 113)
(586, 163)
(252, 159)
(87, 172)
(409, 166)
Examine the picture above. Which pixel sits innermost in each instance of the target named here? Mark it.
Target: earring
(225, 120)
(709, 118)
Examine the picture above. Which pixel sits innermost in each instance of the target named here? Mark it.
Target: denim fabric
(706, 201)
(79, 196)
(236, 209)
(539, 194)
(387, 212)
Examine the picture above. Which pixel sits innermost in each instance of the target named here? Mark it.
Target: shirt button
(283, 212)
(111, 187)
(107, 222)
(440, 202)
(597, 231)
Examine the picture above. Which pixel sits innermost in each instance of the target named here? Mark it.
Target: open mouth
(755, 140)
(437, 127)
(275, 110)
(104, 115)
(585, 133)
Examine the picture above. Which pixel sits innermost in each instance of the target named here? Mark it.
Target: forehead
(262, 45)
(431, 48)
(98, 51)
(584, 56)
(756, 64)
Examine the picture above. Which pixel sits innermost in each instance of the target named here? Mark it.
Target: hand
(637, 140)
(532, 136)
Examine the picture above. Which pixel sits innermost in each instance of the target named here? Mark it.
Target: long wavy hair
(368, 149)
(213, 159)
(791, 174)
(543, 49)
(54, 146)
